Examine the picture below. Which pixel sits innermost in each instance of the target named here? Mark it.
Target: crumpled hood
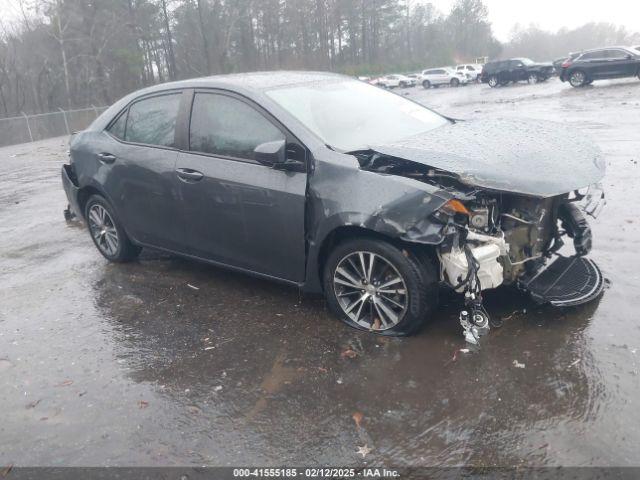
(529, 157)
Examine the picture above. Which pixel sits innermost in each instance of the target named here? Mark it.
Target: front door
(239, 212)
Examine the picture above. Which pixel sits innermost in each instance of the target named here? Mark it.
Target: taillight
(566, 63)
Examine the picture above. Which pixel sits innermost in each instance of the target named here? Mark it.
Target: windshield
(350, 115)
(526, 61)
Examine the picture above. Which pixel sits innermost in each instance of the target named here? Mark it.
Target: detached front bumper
(72, 190)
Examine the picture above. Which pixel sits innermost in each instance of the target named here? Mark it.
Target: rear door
(517, 71)
(237, 211)
(441, 76)
(141, 155)
(594, 63)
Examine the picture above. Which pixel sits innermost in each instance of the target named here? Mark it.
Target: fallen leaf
(376, 324)
(34, 404)
(357, 417)
(194, 410)
(322, 369)
(348, 353)
(5, 471)
(66, 383)
(364, 451)
(143, 404)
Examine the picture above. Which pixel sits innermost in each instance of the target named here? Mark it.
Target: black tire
(103, 239)
(493, 81)
(454, 82)
(417, 275)
(403, 85)
(533, 78)
(578, 78)
(426, 84)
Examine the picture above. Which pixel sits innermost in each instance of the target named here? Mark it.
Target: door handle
(106, 157)
(189, 175)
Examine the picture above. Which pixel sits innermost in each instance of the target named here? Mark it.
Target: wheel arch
(424, 252)
(85, 193)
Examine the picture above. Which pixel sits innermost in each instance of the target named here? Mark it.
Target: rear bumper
(71, 189)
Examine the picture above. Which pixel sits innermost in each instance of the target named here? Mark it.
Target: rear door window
(225, 126)
(152, 121)
(597, 55)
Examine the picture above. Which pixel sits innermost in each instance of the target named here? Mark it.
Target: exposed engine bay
(495, 238)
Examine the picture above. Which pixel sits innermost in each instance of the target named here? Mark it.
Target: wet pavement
(169, 362)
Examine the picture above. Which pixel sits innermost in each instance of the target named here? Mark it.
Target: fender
(341, 194)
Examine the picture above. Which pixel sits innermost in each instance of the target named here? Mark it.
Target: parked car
(501, 72)
(473, 71)
(601, 63)
(333, 186)
(408, 80)
(436, 77)
(388, 81)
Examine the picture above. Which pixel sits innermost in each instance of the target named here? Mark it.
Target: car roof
(251, 81)
(252, 85)
(613, 47)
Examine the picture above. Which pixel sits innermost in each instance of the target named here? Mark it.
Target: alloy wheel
(370, 290)
(533, 78)
(577, 79)
(103, 230)
(493, 81)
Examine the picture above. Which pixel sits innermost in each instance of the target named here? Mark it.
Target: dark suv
(502, 72)
(599, 64)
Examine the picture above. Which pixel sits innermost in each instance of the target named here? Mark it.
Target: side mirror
(271, 153)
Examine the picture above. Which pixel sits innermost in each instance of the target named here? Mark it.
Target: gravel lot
(107, 364)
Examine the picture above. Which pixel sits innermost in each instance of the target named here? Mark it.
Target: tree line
(74, 53)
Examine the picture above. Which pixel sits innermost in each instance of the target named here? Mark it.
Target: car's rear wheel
(106, 232)
(374, 286)
(454, 82)
(426, 84)
(578, 78)
(533, 78)
(493, 81)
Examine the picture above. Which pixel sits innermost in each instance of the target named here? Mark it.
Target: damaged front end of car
(494, 234)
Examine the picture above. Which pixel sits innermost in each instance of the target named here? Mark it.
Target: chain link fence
(29, 128)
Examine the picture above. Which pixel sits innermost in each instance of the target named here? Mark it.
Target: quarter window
(152, 121)
(223, 125)
(117, 128)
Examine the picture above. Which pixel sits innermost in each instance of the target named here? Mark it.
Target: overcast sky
(554, 14)
(504, 14)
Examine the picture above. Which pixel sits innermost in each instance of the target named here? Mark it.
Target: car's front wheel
(426, 84)
(578, 78)
(533, 78)
(493, 81)
(374, 286)
(106, 232)
(455, 82)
